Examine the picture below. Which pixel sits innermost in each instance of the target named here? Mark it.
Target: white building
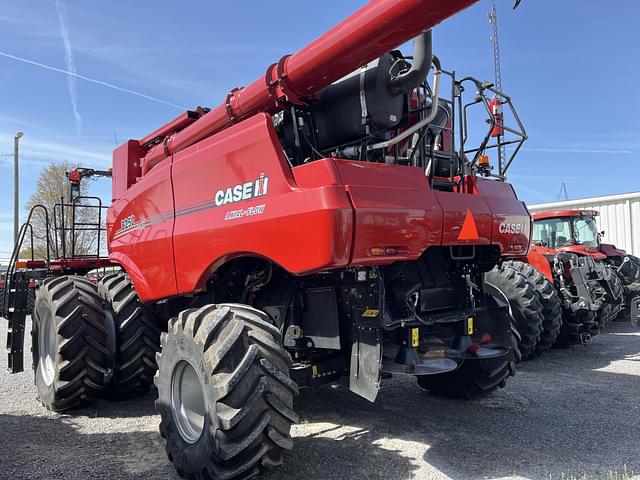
(619, 217)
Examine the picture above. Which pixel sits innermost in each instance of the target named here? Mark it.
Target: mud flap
(366, 363)
(499, 296)
(498, 303)
(635, 312)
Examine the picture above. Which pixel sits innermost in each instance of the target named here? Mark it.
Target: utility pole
(16, 185)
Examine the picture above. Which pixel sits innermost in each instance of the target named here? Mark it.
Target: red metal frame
(538, 257)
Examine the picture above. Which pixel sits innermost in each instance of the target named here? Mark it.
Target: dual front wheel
(534, 302)
(90, 342)
(224, 391)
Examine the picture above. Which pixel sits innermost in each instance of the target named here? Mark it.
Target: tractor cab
(576, 232)
(573, 231)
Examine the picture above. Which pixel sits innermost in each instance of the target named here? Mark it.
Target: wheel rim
(187, 401)
(47, 348)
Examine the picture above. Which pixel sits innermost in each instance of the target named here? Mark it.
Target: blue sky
(571, 68)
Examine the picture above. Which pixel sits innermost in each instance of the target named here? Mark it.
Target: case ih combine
(581, 283)
(324, 221)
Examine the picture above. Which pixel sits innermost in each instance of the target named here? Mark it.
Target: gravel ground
(573, 412)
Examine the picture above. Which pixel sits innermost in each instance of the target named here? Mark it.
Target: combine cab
(326, 221)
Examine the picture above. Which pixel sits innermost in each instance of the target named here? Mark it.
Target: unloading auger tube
(376, 28)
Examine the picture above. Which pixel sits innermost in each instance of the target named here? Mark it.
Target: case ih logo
(242, 191)
(511, 228)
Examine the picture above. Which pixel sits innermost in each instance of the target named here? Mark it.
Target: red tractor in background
(581, 283)
(326, 221)
(575, 232)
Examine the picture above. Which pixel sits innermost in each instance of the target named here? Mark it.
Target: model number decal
(127, 222)
(511, 228)
(247, 212)
(242, 191)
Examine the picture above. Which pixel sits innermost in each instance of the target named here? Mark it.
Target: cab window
(553, 232)
(585, 231)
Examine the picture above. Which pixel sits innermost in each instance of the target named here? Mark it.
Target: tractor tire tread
(81, 362)
(549, 300)
(249, 420)
(138, 330)
(525, 306)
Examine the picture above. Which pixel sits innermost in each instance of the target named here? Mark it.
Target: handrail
(504, 99)
(15, 255)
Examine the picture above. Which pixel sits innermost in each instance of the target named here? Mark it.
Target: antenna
(562, 194)
(493, 20)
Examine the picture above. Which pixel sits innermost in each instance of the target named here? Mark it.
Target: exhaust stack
(376, 28)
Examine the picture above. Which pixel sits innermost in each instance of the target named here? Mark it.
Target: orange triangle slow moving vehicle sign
(469, 230)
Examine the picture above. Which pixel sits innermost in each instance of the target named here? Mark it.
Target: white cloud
(71, 64)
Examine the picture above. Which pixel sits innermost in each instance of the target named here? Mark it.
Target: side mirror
(635, 312)
(602, 233)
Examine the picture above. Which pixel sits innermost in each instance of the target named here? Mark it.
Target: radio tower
(493, 20)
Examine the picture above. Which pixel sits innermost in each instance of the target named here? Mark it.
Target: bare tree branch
(52, 190)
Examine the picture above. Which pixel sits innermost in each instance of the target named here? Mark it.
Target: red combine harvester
(325, 221)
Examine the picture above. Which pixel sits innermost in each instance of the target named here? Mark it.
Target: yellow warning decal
(371, 313)
(415, 337)
(470, 326)
(314, 371)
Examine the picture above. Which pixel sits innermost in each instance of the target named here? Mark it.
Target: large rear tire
(525, 307)
(71, 358)
(224, 392)
(473, 380)
(549, 300)
(138, 330)
(630, 271)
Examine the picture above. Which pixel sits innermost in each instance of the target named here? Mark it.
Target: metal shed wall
(619, 217)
